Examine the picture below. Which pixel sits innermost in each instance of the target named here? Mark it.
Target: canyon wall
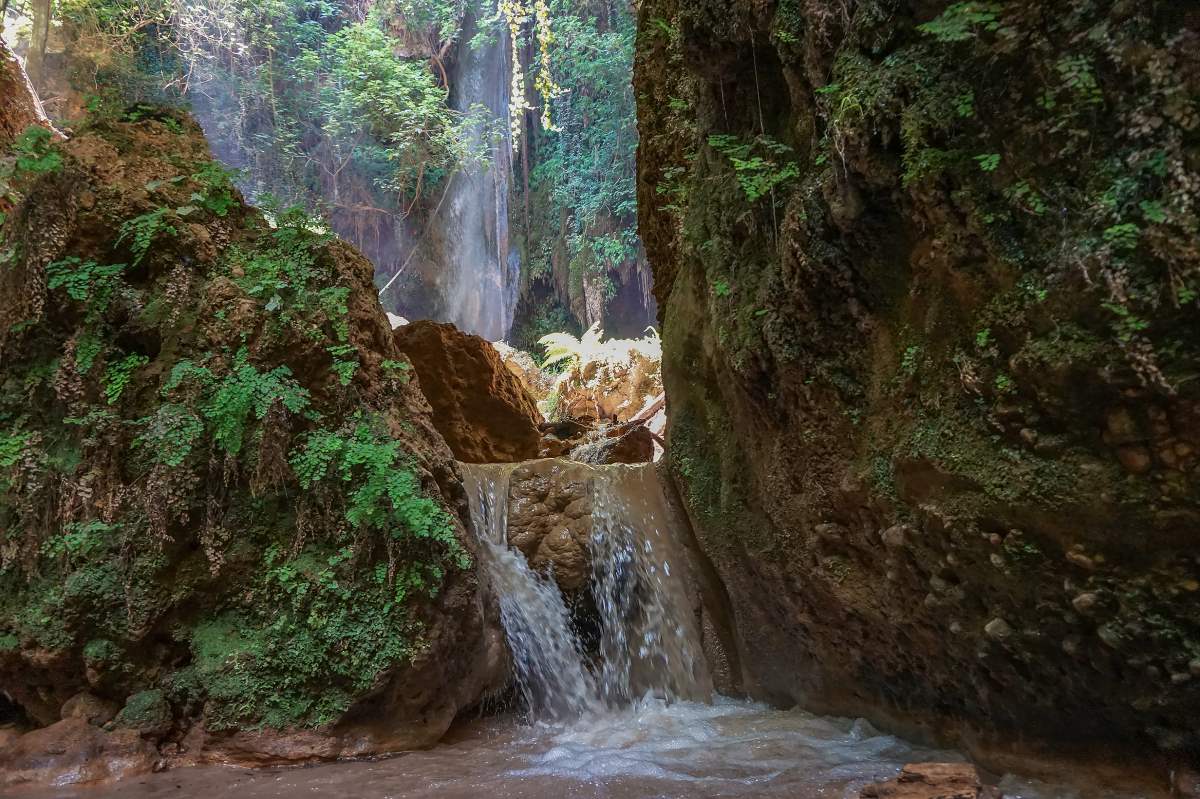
(224, 510)
(927, 274)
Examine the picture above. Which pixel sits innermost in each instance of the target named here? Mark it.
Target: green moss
(145, 710)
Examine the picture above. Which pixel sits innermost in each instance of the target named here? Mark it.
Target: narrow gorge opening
(792, 398)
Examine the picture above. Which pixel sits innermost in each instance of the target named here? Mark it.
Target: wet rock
(74, 752)
(932, 781)
(549, 520)
(1185, 783)
(896, 536)
(479, 406)
(634, 445)
(90, 708)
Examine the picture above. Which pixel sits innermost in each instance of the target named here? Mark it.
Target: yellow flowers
(516, 13)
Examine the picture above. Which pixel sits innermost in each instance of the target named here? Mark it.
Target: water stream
(633, 718)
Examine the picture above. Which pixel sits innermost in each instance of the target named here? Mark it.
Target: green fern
(141, 231)
(119, 374)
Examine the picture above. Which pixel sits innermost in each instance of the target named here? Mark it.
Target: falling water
(648, 638)
(548, 659)
(481, 275)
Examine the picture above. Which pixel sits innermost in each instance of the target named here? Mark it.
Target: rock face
(19, 106)
(224, 508)
(932, 781)
(480, 407)
(928, 365)
(72, 751)
(550, 519)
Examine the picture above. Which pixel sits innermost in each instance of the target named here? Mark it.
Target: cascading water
(547, 656)
(482, 273)
(648, 638)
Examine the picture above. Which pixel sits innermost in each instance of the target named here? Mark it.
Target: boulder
(480, 407)
(622, 445)
(932, 781)
(550, 519)
(90, 708)
(73, 752)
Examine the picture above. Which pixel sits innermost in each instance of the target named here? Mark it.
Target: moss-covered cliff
(928, 278)
(221, 497)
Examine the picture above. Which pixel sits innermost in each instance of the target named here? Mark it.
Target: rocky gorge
(913, 451)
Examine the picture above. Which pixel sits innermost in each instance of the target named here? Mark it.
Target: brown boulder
(932, 781)
(90, 708)
(73, 752)
(550, 519)
(479, 406)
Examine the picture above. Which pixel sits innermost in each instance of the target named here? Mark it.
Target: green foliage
(963, 21)
(141, 231)
(383, 494)
(85, 281)
(563, 347)
(1123, 237)
(35, 152)
(119, 374)
(988, 162)
(217, 184)
(12, 446)
(756, 163)
(80, 540)
(343, 367)
(229, 402)
(169, 434)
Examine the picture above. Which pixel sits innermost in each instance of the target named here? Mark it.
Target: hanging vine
(516, 14)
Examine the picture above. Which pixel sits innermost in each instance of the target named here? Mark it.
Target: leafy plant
(344, 367)
(35, 151)
(565, 347)
(988, 162)
(169, 434)
(85, 281)
(119, 374)
(217, 182)
(141, 231)
(963, 21)
(756, 163)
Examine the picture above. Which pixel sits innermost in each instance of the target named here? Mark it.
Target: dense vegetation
(213, 477)
(345, 110)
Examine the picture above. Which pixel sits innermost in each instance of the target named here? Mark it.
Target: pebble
(1071, 644)
(997, 629)
(1086, 602)
(997, 560)
(1081, 560)
(1110, 635)
(895, 537)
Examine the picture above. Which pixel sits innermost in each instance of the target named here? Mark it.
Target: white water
(480, 277)
(649, 645)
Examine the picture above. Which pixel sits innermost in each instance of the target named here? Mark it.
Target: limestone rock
(932, 781)
(73, 752)
(549, 519)
(90, 708)
(479, 406)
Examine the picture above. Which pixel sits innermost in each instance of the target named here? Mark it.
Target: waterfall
(546, 654)
(481, 276)
(648, 636)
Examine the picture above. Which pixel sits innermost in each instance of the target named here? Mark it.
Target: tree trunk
(19, 105)
(38, 38)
